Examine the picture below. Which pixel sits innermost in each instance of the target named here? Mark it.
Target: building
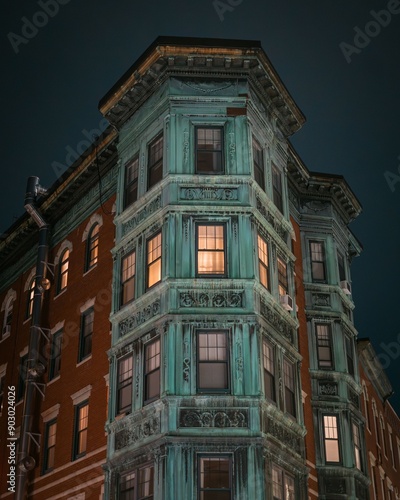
(200, 298)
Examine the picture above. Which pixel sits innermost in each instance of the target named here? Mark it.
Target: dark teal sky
(51, 88)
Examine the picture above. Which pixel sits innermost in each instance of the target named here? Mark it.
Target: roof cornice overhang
(373, 369)
(201, 58)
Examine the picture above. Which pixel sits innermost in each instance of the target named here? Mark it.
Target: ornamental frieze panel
(273, 221)
(277, 322)
(208, 193)
(328, 389)
(137, 432)
(142, 215)
(216, 418)
(335, 485)
(321, 299)
(131, 322)
(219, 299)
(287, 437)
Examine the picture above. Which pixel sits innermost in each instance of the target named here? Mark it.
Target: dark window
(282, 277)
(55, 355)
(331, 439)
(209, 147)
(215, 482)
(324, 346)
(290, 388)
(211, 259)
(258, 161)
(342, 268)
(8, 314)
(154, 252)
(357, 446)
(269, 370)
(282, 484)
(128, 271)
(277, 188)
(49, 446)
(85, 344)
(80, 429)
(131, 182)
(92, 247)
(124, 384)
(152, 371)
(137, 484)
(23, 372)
(350, 356)
(2, 386)
(212, 361)
(63, 271)
(317, 252)
(31, 296)
(155, 162)
(263, 261)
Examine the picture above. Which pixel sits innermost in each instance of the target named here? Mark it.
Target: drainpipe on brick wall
(34, 368)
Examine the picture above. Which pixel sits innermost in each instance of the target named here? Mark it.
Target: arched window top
(65, 245)
(30, 298)
(63, 271)
(95, 219)
(364, 390)
(29, 279)
(92, 247)
(8, 299)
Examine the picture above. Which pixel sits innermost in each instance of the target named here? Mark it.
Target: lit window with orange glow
(154, 260)
(211, 259)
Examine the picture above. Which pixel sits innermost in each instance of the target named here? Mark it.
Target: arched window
(31, 295)
(63, 271)
(92, 247)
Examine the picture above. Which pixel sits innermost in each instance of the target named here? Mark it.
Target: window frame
(123, 384)
(199, 150)
(327, 345)
(320, 262)
(77, 452)
(258, 163)
(131, 278)
(23, 371)
(283, 280)
(92, 247)
(290, 391)
(135, 485)
(327, 439)
(201, 488)
(30, 298)
(55, 355)
(152, 263)
(267, 373)
(206, 224)
(357, 446)
(277, 187)
(282, 484)
(7, 320)
(63, 268)
(226, 362)
(49, 449)
(157, 164)
(86, 336)
(149, 373)
(349, 350)
(131, 186)
(261, 262)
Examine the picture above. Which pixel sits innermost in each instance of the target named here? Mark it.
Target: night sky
(341, 67)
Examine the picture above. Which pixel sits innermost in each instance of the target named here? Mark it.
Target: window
(269, 371)
(124, 384)
(137, 484)
(92, 247)
(128, 271)
(23, 371)
(152, 371)
(263, 261)
(154, 250)
(80, 429)
(258, 162)
(331, 439)
(215, 481)
(209, 150)
(341, 266)
(366, 407)
(49, 446)
(357, 446)
(131, 182)
(350, 356)
(212, 361)
(382, 429)
(2, 386)
(63, 271)
(8, 313)
(55, 355)
(277, 188)
(31, 296)
(282, 484)
(324, 346)
(211, 250)
(317, 251)
(85, 341)
(282, 277)
(391, 446)
(290, 394)
(155, 161)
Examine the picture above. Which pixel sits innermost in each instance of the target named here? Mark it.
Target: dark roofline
(179, 41)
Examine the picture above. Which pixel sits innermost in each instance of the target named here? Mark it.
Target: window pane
(152, 371)
(317, 260)
(155, 161)
(269, 371)
(277, 188)
(146, 483)
(331, 439)
(212, 356)
(211, 253)
(131, 182)
(128, 271)
(209, 150)
(154, 249)
(282, 277)
(324, 346)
